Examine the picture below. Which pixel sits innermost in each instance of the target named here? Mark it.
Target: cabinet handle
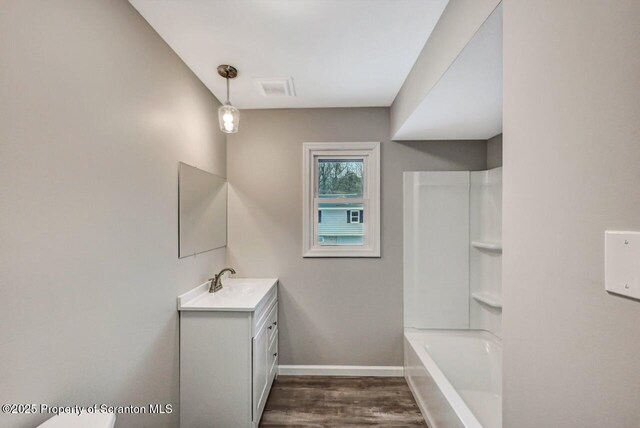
(270, 327)
(275, 323)
(275, 355)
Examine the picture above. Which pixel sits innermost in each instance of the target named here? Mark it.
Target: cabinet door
(273, 358)
(260, 372)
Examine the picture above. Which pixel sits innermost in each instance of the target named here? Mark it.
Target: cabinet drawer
(272, 323)
(263, 310)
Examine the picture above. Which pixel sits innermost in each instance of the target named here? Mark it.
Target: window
(341, 200)
(355, 216)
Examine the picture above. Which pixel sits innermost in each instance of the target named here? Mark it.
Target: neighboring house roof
(334, 223)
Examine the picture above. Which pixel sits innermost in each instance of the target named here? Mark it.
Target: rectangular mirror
(202, 211)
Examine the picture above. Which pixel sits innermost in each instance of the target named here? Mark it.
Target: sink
(235, 289)
(237, 294)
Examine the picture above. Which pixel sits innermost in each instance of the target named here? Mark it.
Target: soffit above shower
(466, 101)
(339, 53)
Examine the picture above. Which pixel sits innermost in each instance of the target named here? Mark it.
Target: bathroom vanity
(228, 352)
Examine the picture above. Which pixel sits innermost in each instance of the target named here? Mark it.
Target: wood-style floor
(320, 401)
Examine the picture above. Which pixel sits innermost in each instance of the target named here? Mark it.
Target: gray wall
(494, 152)
(332, 311)
(572, 156)
(95, 113)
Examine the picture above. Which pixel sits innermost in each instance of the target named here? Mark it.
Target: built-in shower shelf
(488, 246)
(488, 299)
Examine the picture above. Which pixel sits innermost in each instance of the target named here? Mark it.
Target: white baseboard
(380, 371)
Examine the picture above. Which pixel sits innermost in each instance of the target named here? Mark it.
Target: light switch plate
(622, 263)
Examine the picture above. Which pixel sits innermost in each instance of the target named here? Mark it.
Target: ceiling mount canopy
(227, 71)
(228, 115)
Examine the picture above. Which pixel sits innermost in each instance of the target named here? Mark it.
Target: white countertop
(84, 420)
(237, 294)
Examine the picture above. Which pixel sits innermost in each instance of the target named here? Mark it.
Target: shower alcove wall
(453, 249)
(452, 296)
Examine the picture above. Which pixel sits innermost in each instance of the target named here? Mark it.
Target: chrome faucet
(216, 281)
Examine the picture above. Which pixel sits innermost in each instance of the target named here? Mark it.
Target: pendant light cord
(228, 102)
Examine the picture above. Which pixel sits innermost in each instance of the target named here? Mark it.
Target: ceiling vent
(273, 87)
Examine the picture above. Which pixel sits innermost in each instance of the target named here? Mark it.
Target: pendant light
(228, 115)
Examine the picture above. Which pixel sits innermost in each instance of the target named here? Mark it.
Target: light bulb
(228, 118)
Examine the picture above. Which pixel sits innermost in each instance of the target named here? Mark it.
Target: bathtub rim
(459, 406)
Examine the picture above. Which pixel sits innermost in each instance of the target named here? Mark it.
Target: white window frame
(370, 153)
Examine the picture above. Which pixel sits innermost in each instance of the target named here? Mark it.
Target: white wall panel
(436, 249)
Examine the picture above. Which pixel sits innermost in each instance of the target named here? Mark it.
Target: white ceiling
(339, 53)
(466, 103)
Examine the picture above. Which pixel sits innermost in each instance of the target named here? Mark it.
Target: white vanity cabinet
(228, 353)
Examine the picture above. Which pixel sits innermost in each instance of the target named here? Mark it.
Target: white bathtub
(455, 376)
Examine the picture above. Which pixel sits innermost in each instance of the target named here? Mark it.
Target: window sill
(340, 253)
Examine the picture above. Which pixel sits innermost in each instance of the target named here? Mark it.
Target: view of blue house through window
(340, 223)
